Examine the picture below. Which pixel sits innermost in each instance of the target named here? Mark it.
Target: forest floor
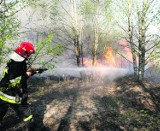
(92, 105)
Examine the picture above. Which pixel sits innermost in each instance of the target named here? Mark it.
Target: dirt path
(76, 105)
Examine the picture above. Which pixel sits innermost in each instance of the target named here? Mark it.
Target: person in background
(13, 85)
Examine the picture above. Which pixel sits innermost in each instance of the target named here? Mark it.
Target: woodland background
(103, 61)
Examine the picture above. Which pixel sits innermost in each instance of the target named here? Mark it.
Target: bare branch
(152, 46)
(149, 55)
(65, 10)
(124, 57)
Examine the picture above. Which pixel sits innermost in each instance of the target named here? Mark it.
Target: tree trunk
(95, 45)
(82, 54)
(135, 68)
(81, 44)
(77, 50)
(133, 48)
(142, 50)
(96, 36)
(76, 33)
(141, 59)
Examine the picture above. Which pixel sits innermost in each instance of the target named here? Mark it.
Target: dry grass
(91, 105)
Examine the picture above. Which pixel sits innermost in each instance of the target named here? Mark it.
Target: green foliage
(154, 53)
(87, 7)
(139, 119)
(46, 52)
(9, 26)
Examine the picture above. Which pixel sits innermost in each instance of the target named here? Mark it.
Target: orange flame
(88, 63)
(109, 57)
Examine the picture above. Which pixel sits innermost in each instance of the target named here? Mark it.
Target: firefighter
(13, 85)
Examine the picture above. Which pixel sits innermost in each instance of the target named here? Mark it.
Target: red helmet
(25, 49)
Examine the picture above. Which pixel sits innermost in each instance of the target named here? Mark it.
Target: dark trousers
(22, 110)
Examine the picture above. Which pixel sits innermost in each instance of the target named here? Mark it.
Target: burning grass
(86, 105)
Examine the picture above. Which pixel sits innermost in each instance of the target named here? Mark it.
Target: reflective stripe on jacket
(10, 99)
(28, 118)
(16, 81)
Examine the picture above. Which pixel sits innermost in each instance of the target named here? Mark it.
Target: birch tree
(76, 31)
(96, 15)
(64, 23)
(96, 31)
(140, 16)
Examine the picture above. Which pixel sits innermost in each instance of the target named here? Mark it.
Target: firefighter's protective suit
(13, 90)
